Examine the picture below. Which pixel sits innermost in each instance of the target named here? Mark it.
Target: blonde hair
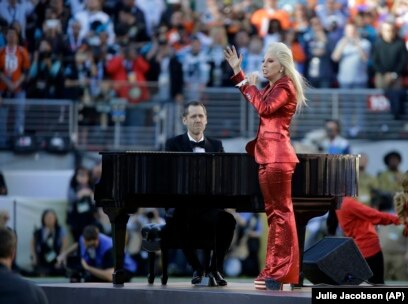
(285, 58)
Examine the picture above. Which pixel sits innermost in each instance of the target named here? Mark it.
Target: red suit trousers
(282, 253)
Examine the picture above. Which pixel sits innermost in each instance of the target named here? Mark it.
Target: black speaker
(335, 261)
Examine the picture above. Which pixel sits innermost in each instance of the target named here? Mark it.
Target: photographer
(134, 236)
(46, 75)
(81, 209)
(95, 260)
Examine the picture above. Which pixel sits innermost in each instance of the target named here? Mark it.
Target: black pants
(376, 263)
(214, 226)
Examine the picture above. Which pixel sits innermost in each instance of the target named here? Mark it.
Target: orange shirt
(298, 52)
(358, 222)
(13, 63)
(259, 16)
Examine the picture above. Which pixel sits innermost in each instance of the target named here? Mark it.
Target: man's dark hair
(8, 242)
(90, 233)
(392, 154)
(193, 104)
(336, 122)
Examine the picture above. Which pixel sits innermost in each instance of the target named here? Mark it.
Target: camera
(52, 23)
(75, 272)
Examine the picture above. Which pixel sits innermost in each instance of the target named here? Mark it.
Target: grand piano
(136, 179)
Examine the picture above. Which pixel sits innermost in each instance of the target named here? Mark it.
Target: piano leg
(152, 261)
(118, 221)
(165, 264)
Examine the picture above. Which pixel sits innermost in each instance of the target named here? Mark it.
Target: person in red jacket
(128, 70)
(276, 104)
(358, 222)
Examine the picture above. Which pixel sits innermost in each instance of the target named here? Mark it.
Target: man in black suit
(13, 288)
(216, 224)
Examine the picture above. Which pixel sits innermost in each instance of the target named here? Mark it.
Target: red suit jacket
(276, 106)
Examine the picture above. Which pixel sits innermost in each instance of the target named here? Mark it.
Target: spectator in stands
(96, 258)
(364, 25)
(352, 53)
(81, 208)
(14, 289)
(180, 31)
(91, 18)
(61, 12)
(261, 17)
(301, 20)
(400, 10)
(131, 16)
(14, 10)
(274, 33)
(390, 59)
(77, 76)
(400, 201)
(46, 74)
(393, 239)
(358, 222)
(319, 67)
(217, 65)
(53, 33)
(298, 51)
(167, 16)
(73, 41)
(334, 143)
(367, 184)
(195, 71)
(14, 64)
(47, 243)
(153, 11)
(390, 180)
(167, 71)
(3, 185)
(254, 56)
(128, 70)
(330, 11)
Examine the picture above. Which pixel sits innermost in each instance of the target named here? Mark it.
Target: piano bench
(155, 237)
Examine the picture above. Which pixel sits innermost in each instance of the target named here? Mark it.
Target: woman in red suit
(276, 104)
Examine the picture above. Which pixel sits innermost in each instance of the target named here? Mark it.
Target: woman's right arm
(235, 61)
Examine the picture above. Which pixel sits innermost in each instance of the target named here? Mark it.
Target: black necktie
(200, 144)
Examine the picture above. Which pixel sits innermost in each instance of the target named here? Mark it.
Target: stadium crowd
(92, 50)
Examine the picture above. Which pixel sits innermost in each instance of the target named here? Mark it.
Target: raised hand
(231, 55)
(253, 78)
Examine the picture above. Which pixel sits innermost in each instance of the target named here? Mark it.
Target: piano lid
(225, 174)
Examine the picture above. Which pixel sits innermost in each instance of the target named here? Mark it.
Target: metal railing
(42, 119)
(146, 126)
